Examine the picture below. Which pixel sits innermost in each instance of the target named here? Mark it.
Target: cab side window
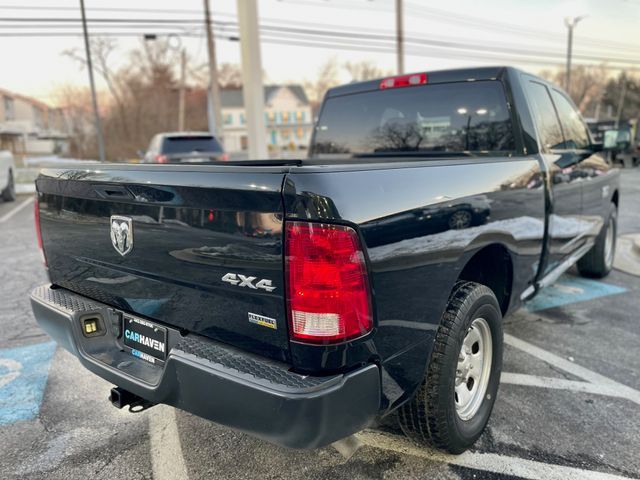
(574, 128)
(545, 116)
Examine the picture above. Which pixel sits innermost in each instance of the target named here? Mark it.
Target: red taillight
(36, 214)
(224, 157)
(328, 288)
(404, 81)
(161, 159)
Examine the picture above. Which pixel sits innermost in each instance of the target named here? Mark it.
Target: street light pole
(399, 38)
(623, 94)
(94, 99)
(214, 90)
(571, 24)
(181, 101)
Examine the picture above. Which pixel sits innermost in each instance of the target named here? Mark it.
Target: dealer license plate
(146, 339)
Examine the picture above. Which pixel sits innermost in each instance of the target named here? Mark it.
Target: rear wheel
(460, 219)
(452, 405)
(598, 261)
(9, 193)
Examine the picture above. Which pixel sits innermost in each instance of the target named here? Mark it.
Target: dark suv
(184, 147)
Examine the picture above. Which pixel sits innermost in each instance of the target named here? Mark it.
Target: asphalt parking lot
(568, 407)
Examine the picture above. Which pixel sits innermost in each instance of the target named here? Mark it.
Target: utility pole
(94, 99)
(571, 23)
(623, 94)
(181, 102)
(214, 90)
(252, 88)
(399, 38)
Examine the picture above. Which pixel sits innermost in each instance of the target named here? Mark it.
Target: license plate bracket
(145, 339)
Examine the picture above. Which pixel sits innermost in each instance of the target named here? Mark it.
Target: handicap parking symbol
(569, 289)
(23, 377)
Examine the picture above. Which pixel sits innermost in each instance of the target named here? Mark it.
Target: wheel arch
(492, 266)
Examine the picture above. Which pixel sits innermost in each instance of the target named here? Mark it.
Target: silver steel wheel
(474, 369)
(609, 242)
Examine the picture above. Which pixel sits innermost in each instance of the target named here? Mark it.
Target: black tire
(9, 193)
(598, 262)
(431, 416)
(460, 219)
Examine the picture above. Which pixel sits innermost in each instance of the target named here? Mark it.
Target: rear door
(591, 169)
(565, 227)
(206, 246)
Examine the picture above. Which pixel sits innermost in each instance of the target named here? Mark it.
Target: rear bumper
(217, 382)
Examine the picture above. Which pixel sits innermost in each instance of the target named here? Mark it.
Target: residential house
(288, 118)
(29, 127)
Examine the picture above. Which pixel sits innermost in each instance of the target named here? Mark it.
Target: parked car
(184, 147)
(7, 176)
(303, 300)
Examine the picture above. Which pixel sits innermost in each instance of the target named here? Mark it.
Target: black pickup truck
(302, 301)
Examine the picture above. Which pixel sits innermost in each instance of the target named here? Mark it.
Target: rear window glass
(450, 117)
(190, 144)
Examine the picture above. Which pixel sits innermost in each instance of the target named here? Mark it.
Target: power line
(344, 36)
(422, 10)
(437, 52)
(587, 55)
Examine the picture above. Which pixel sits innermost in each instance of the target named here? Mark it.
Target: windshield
(190, 144)
(451, 117)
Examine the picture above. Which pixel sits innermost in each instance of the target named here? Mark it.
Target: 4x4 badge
(248, 281)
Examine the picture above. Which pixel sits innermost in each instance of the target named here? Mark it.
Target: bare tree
(76, 105)
(326, 78)
(588, 84)
(102, 50)
(364, 70)
(230, 75)
(144, 94)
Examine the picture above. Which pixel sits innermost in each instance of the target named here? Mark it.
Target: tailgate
(197, 248)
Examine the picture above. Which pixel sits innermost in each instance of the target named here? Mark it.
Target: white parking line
(167, 461)
(488, 462)
(560, 384)
(15, 210)
(570, 367)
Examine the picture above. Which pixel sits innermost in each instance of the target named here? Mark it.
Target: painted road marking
(22, 388)
(491, 462)
(167, 460)
(569, 289)
(9, 371)
(570, 367)
(561, 384)
(488, 462)
(15, 210)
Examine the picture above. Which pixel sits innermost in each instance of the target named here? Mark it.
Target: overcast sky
(529, 34)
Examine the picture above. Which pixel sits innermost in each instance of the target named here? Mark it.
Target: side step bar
(555, 274)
